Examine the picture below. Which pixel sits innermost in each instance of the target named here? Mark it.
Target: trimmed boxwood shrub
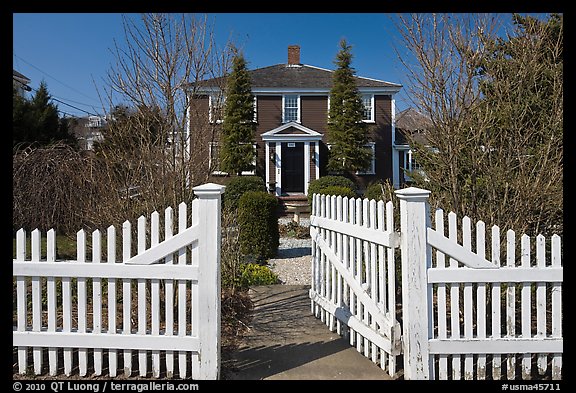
(338, 190)
(238, 186)
(316, 186)
(258, 224)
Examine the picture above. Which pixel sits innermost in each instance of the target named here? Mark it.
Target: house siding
(314, 112)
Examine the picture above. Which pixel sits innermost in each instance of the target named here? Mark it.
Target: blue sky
(71, 52)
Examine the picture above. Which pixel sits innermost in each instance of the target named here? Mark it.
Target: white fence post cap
(209, 190)
(413, 193)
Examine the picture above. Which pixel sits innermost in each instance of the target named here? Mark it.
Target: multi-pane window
(217, 107)
(371, 170)
(291, 109)
(368, 103)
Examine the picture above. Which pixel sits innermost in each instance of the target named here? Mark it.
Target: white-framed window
(214, 160)
(290, 108)
(368, 103)
(255, 118)
(216, 104)
(371, 146)
(410, 163)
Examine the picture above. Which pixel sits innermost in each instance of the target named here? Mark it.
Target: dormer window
(290, 108)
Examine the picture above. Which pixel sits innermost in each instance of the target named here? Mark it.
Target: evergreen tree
(37, 121)
(237, 152)
(346, 130)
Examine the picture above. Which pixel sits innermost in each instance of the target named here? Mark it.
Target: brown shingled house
(411, 125)
(291, 112)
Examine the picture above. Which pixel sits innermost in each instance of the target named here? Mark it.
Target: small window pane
(367, 102)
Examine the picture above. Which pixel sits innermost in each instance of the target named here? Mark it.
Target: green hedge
(238, 186)
(338, 190)
(258, 224)
(316, 186)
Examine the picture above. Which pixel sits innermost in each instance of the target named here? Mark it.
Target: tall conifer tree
(346, 130)
(237, 151)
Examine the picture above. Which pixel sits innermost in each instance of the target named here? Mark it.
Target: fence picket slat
(391, 281)
(195, 302)
(52, 300)
(36, 302)
(511, 302)
(169, 292)
(182, 364)
(454, 298)
(339, 252)
(468, 332)
(526, 312)
(556, 308)
(352, 264)
(97, 300)
(111, 258)
(67, 320)
(127, 295)
(373, 285)
(155, 293)
(496, 303)
(21, 296)
(382, 303)
(441, 299)
(332, 268)
(367, 272)
(481, 300)
(359, 270)
(541, 301)
(322, 270)
(142, 312)
(82, 309)
(346, 260)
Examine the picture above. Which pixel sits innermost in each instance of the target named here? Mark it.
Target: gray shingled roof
(411, 122)
(299, 77)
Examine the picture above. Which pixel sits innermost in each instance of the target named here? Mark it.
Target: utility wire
(45, 73)
(72, 106)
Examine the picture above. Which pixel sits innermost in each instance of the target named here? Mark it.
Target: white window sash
(371, 119)
(211, 105)
(372, 169)
(298, 106)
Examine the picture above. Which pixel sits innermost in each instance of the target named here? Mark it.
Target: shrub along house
(291, 114)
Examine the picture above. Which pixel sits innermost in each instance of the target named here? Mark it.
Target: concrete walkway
(287, 342)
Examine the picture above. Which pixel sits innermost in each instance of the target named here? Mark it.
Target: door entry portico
(292, 158)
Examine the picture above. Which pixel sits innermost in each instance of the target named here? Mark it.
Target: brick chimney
(293, 55)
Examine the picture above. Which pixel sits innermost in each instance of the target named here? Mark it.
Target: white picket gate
(472, 318)
(353, 286)
(175, 317)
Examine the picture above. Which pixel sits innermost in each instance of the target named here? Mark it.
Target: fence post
(416, 295)
(209, 206)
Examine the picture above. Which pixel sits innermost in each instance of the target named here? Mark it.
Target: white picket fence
(353, 286)
(487, 286)
(490, 329)
(82, 312)
(463, 316)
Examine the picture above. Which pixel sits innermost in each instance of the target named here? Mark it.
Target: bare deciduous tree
(157, 69)
(486, 156)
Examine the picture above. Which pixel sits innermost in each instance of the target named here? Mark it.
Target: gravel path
(293, 263)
